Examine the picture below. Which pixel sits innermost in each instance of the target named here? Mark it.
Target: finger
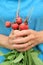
(12, 32)
(28, 48)
(11, 41)
(31, 44)
(22, 46)
(22, 33)
(15, 31)
(11, 36)
(23, 39)
(25, 45)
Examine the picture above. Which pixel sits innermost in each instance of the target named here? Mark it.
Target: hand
(12, 34)
(11, 37)
(4, 42)
(26, 39)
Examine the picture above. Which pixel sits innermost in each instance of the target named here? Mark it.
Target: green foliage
(25, 58)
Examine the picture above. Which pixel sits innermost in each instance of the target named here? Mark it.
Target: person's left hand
(26, 39)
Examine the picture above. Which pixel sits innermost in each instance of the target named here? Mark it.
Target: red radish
(26, 27)
(18, 20)
(22, 26)
(15, 26)
(8, 24)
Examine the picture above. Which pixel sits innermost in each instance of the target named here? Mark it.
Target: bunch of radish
(18, 25)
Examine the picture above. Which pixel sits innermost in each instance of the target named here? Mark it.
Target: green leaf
(6, 63)
(30, 61)
(15, 58)
(25, 58)
(29, 58)
(19, 58)
(35, 58)
(8, 54)
(11, 57)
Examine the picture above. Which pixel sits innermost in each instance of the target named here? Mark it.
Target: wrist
(3, 40)
(40, 36)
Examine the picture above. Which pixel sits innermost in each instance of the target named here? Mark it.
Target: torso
(8, 10)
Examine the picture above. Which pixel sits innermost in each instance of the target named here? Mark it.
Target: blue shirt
(8, 9)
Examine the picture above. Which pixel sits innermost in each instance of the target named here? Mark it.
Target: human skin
(21, 40)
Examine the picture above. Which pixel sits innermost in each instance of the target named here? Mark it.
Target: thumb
(13, 32)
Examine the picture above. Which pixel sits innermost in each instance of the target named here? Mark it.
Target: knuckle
(33, 36)
(25, 46)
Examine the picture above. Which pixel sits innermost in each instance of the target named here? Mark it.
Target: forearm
(3, 39)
